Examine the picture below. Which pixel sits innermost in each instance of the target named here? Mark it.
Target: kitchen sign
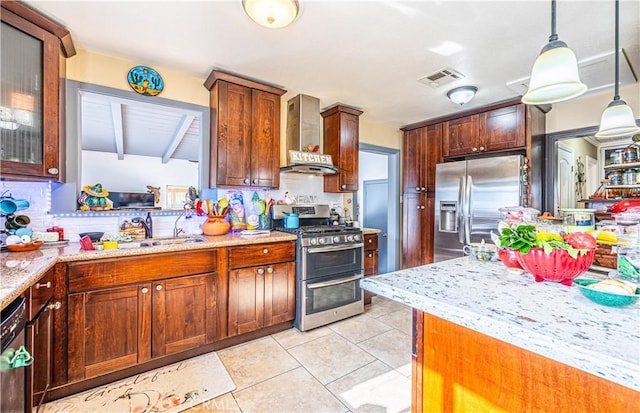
(298, 157)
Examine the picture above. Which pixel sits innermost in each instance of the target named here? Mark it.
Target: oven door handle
(334, 282)
(337, 248)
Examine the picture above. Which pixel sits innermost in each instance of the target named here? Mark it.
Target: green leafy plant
(524, 237)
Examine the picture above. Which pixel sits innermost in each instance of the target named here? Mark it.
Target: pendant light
(617, 119)
(273, 14)
(554, 77)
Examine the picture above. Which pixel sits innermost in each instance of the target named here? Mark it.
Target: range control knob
(356, 237)
(313, 241)
(350, 238)
(321, 241)
(336, 239)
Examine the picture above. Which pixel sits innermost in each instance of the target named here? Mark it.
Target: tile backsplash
(303, 188)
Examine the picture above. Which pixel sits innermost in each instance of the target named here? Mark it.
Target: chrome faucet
(147, 230)
(177, 231)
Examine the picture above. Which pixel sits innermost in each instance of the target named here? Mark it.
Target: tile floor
(362, 364)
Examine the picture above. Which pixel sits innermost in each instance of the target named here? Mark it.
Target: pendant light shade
(554, 77)
(273, 14)
(617, 119)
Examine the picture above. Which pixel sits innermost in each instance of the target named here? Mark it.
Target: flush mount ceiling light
(554, 76)
(462, 94)
(273, 14)
(617, 119)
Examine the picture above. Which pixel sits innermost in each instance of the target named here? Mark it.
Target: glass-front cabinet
(32, 67)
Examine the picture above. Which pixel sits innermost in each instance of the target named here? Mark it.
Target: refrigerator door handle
(467, 212)
(460, 211)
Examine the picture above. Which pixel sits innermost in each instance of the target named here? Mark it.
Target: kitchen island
(487, 339)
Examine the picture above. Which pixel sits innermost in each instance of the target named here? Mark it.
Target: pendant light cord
(617, 55)
(554, 35)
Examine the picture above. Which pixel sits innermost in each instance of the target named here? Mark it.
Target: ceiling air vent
(441, 77)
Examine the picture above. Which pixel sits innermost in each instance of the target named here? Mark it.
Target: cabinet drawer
(253, 255)
(111, 272)
(371, 242)
(370, 262)
(39, 294)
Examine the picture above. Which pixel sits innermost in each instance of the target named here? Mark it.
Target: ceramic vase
(215, 225)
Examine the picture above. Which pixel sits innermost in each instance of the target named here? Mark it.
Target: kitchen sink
(157, 242)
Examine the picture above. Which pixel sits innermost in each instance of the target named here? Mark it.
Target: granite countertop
(546, 318)
(22, 269)
(369, 231)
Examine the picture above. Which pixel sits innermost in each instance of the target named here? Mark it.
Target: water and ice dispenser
(448, 216)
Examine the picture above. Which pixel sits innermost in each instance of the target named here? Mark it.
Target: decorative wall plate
(145, 80)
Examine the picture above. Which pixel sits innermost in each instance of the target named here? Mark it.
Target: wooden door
(279, 293)
(432, 151)
(460, 137)
(108, 330)
(183, 312)
(246, 300)
(413, 171)
(502, 129)
(265, 139)
(233, 135)
(39, 340)
(413, 228)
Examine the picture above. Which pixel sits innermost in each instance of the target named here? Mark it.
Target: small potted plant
(548, 256)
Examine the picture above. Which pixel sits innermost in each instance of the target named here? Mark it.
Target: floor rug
(169, 389)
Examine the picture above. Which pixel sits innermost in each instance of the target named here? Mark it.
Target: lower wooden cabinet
(261, 296)
(370, 261)
(417, 229)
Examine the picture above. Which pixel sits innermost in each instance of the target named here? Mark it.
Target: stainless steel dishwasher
(14, 358)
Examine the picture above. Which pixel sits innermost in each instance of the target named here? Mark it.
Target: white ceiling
(367, 54)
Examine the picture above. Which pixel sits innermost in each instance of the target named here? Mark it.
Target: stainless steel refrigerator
(468, 196)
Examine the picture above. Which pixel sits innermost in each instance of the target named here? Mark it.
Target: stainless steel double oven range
(329, 266)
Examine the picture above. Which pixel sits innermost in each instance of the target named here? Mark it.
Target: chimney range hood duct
(303, 129)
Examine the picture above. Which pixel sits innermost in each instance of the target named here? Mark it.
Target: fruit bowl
(510, 259)
(557, 266)
(603, 297)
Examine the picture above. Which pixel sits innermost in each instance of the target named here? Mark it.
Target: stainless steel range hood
(303, 132)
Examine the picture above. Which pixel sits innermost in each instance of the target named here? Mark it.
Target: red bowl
(509, 258)
(558, 266)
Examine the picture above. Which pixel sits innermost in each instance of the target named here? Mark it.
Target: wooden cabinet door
(265, 139)
(233, 135)
(432, 150)
(503, 129)
(413, 171)
(417, 230)
(246, 300)
(279, 293)
(39, 340)
(108, 330)
(29, 52)
(460, 137)
(184, 313)
(341, 139)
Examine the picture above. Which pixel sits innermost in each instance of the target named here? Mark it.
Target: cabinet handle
(423, 188)
(370, 241)
(343, 186)
(43, 285)
(255, 181)
(418, 207)
(269, 270)
(474, 149)
(246, 181)
(158, 287)
(481, 148)
(260, 271)
(54, 306)
(265, 251)
(422, 207)
(417, 188)
(370, 255)
(53, 171)
(144, 290)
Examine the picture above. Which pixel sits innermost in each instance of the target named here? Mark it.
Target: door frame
(393, 221)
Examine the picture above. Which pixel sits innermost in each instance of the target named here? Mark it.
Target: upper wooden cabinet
(33, 68)
(245, 132)
(495, 130)
(420, 153)
(341, 130)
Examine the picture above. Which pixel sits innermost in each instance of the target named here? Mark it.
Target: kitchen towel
(169, 389)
